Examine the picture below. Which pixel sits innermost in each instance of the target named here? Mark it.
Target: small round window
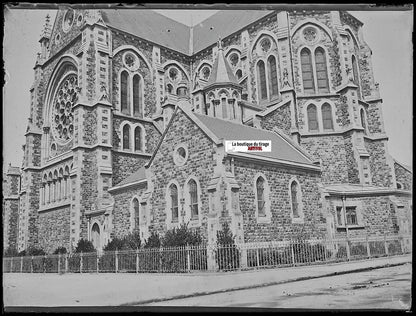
(68, 20)
(205, 73)
(79, 19)
(180, 155)
(131, 61)
(57, 39)
(310, 35)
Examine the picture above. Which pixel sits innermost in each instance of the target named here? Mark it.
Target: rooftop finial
(46, 32)
(219, 43)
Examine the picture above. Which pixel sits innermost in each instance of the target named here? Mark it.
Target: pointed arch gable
(260, 35)
(317, 23)
(351, 33)
(174, 62)
(130, 47)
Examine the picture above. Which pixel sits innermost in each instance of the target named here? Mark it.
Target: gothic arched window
(126, 136)
(362, 116)
(321, 70)
(136, 213)
(261, 73)
(224, 107)
(294, 187)
(355, 74)
(307, 71)
(273, 83)
(327, 116)
(312, 118)
(260, 196)
(124, 86)
(174, 202)
(138, 138)
(193, 194)
(137, 96)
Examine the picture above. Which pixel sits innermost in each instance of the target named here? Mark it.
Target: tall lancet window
(273, 83)
(124, 86)
(321, 70)
(261, 73)
(126, 137)
(307, 71)
(138, 139)
(137, 96)
(327, 117)
(355, 74)
(174, 202)
(224, 107)
(312, 118)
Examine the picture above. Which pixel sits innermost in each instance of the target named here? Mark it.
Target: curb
(248, 287)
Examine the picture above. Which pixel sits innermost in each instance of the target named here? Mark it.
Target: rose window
(265, 45)
(205, 73)
(68, 20)
(62, 113)
(173, 74)
(131, 61)
(234, 59)
(310, 34)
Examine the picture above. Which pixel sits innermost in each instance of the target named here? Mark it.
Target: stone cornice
(131, 153)
(127, 185)
(54, 206)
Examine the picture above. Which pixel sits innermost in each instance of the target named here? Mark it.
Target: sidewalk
(133, 289)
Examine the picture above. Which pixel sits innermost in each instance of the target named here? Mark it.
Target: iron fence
(206, 257)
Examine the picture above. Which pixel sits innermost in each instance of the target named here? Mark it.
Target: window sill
(351, 227)
(54, 205)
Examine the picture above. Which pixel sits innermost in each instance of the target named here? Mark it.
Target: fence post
(66, 263)
(98, 259)
(368, 246)
(21, 264)
(257, 258)
(44, 264)
(188, 258)
(116, 254)
(348, 250)
(386, 249)
(243, 253)
(80, 263)
(59, 263)
(402, 245)
(137, 260)
(292, 252)
(11, 264)
(31, 264)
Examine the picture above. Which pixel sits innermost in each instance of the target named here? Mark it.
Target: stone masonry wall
(122, 207)
(281, 226)
(404, 176)
(10, 223)
(200, 164)
(380, 170)
(280, 118)
(54, 229)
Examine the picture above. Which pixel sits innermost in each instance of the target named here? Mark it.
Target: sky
(388, 33)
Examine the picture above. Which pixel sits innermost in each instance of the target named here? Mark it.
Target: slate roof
(281, 149)
(151, 26)
(134, 177)
(221, 71)
(159, 29)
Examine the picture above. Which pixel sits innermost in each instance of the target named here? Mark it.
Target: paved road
(386, 288)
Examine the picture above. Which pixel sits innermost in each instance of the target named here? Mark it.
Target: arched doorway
(95, 236)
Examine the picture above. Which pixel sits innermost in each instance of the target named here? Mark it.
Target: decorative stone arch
(168, 205)
(362, 112)
(223, 91)
(202, 63)
(317, 23)
(231, 48)
(266, 218)
(260, 35)
(56, 78)
(166, 65)
(399, 185)
(133, 212)
(300, 217)
(312, 49)
(96, 233)
(130, 92)
(141, 55)
(187, 198)
(121, 131)
(142, 136)
(318, 105)
(351, 33)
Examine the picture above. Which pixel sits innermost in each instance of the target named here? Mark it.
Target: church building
(131, 111)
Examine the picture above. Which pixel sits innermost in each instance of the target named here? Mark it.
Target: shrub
(153, 241)
(84, 246)
(181, 236)
(395, 247)
(227, 255)
(60, 250)
(129, 242)
(10, 252)
(33, 251)
(377, 248)
(22, 253)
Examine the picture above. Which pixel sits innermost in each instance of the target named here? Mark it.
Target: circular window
(234, 59)
(62, 113)
(53, 150)
(173, 74)
(57, 39)
(310, 35)
(180, 155)
(205, 72)
(131, 61)
(79, 20)
(265, 45)
(68, 20)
